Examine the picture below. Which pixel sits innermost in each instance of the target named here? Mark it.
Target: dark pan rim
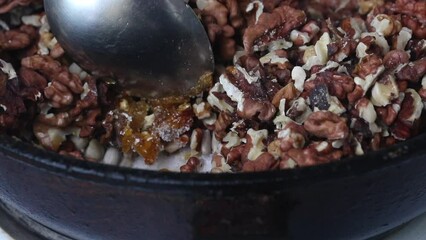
(17, 150)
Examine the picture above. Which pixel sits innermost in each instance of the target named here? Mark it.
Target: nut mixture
(297, 83)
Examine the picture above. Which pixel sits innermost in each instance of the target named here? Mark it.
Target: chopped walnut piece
(191, 165)
(13, 40)
(385, 25)
(177, 144)
(307, 33)
(338, 84)
(202, 110)
(328, 125)
(255, 145)
(63, 84)
(289, 92)
(252, 99)
(413, 10)
(196, 139)
(396, 58)
(411, 107)
(367, 112)
(272, 26)
(384, 91)
(219, 164)
(312, 156)
(292, 136)
(264, 162)
(413, 71)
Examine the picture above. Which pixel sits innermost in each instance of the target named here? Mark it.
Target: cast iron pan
(351, 199)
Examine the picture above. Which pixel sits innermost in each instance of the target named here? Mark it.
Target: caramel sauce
(173, 115)
(148, 146)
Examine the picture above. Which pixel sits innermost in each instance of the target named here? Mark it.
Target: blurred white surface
(4, 235)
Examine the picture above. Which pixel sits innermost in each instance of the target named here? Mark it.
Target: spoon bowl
(154, 48)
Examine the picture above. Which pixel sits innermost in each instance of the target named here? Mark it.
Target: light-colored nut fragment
(275, 45)
(299, 38)
(292, 136)
(232, 140)
(86, 91)
(358, 148)
(366, 110)
(298, 74)
(257, 146)
(240, 53)
(251, 77)
(289, 92)
(361, 50)
(358, 25)
(281, 121)
(75, 68)
(79, 143)
(299, 106)
(416, 107)
(308, 54)
(94, 151)
(384, 91)
(259, 11)
(288, 163)
(337, 144)
(404, 37)
(112, 156)
(216, 145)
(127, 160)
(336, 106)
(232, 91)
(196, 140)
(274, 149)
(33, 20)
(216, 102)
(56, 137)
(124, 105)
(177, 144)
(321, 48)
(273, 58)
(321, 53)
(322, 146)
(383, 24)
(51, 137)
(8, 69)
(379, 40)
(202, 110)
(209, 122)
(366, 83)
(148, 121)
(219, 164)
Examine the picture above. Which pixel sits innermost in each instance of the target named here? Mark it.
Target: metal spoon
(154, 48)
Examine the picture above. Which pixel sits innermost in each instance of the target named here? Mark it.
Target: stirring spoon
(154, 48)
